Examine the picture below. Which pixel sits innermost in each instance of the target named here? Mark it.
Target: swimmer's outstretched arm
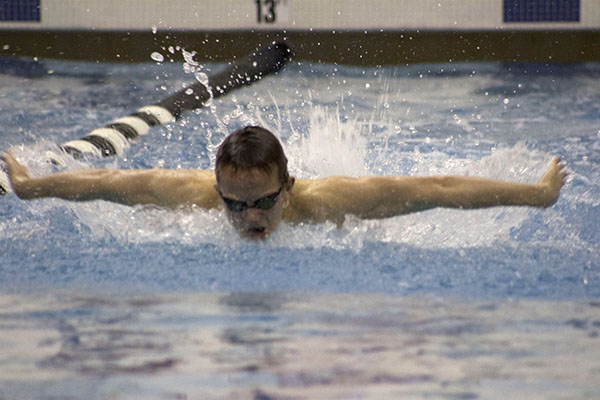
(166, 188)
(382, 197)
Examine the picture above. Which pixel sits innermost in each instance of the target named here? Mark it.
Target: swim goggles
(264, 203)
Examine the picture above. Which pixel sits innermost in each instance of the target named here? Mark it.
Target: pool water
(99, 300)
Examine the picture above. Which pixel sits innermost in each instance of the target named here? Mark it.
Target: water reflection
(280, 346)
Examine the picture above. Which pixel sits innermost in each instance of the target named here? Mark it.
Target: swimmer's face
(253, 200)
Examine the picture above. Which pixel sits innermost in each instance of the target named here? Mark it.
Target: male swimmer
(251, 183)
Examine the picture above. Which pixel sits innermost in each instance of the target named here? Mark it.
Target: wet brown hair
(252, 147)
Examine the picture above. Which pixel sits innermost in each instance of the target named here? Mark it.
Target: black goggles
(264, 203)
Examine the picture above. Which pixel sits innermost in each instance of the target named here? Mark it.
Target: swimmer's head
(253, 181)
(252, 147)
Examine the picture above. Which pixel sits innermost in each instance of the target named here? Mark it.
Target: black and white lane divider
(4, 184)
(113, 138)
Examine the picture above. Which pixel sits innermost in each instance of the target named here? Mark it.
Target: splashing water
(317, 153)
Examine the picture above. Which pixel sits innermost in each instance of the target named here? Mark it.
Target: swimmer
(252, 185)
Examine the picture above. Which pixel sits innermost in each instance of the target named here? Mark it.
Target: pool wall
(349, 31)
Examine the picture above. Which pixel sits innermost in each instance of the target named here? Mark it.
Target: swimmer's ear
(290, 183)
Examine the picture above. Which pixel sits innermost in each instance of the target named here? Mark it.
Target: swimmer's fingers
(8, 160)
(556, 172)
(5, 155)
(553, 180)
(15, 171)
(560, 170)
(563, 171)
(8, 157)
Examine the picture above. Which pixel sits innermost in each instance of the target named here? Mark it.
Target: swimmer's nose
(252, 214)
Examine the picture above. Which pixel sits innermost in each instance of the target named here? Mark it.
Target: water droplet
(154, 29)
(506, 101)
(367, 85)
(189, 91)
(156, 56)
(238, 112)
(188, 56)
(202, 78)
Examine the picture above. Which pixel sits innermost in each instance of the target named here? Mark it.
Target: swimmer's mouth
(258, 232)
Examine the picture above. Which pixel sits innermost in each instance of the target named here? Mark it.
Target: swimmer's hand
(17, 174)
(552, 181)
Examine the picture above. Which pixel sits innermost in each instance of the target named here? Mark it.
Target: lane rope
(114, 138)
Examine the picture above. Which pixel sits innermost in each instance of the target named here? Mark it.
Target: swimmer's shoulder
(186, 178)
(202, 189)
(307, 201)
(183, 187)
